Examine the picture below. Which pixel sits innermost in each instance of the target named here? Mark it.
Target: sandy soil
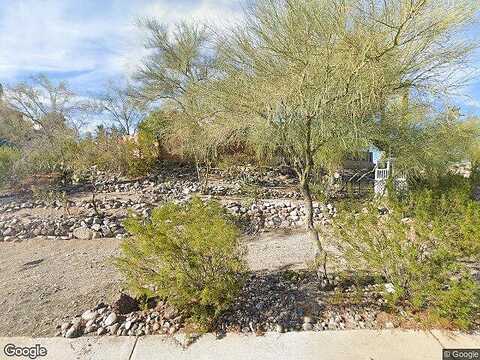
(280, 249)
(43, 281)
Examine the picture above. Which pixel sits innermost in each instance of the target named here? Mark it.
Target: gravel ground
(280, 250)
(43, 281)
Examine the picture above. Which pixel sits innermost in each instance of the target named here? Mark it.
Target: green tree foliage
(425, 143)
(8, 157)
(40, 118)
(177, 75)
(422, 245)
(187, 254)
(106, 149)
(310, 78)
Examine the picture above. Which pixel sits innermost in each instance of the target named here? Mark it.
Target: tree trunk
(206, 177)
(307, 197)
(320, 255)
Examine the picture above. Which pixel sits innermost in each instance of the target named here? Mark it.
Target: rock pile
(264, 215)
(106, 320)
(279, 301)
(62, 228)
(280, 214)
(287, 301)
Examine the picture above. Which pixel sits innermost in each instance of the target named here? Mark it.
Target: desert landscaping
(305, 170)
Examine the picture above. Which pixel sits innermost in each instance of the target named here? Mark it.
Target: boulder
(82, 233)
(125, 304)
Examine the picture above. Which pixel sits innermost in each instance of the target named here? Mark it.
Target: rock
(125, 304)
(89, 315)
(307, 327)
(389, 288)
(90, 329)
(82, 233)
(113, 329)
(72, 333)
(279, 328)
(169, 313)
(65, 326)
(90, 323)
(156, 326)
(332, 325)
(100, 331)
(307, 320)
(389, 325)
(111, 319)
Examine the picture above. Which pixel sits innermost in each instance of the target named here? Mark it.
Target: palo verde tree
(174, 76)
(425, 142)
(310, 78)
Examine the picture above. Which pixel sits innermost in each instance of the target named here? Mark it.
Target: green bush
(8, 157)
(113, 152)
(186, 254)
(421, 244)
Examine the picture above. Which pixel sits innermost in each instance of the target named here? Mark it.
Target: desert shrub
(8, 157)
(186, 254)
(142, 154)
(111, 151)
(420, 244)
(106, 150)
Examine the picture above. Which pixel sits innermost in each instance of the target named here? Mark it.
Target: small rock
(125, 304)
(307, 327)
(72, 333)
(307, 320)
(389, 288)
(113, 329)
(89, 315)
(82, 233)
(111, 319)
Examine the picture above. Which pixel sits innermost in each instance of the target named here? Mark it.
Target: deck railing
(382, 174)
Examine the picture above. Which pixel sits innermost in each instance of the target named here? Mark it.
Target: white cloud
(45, 36)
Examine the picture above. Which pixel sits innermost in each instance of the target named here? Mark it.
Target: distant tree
(121, 107)
(47, 105)
(424, 142)
(42, 115)
(176, 76)
(311, 78)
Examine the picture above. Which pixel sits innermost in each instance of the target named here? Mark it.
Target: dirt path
(43, 281)
(280, 249)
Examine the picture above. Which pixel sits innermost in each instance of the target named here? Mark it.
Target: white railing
(382, 174)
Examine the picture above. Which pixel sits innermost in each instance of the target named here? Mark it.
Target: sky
(90, 42)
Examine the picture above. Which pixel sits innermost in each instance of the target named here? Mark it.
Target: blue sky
(88, 42)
